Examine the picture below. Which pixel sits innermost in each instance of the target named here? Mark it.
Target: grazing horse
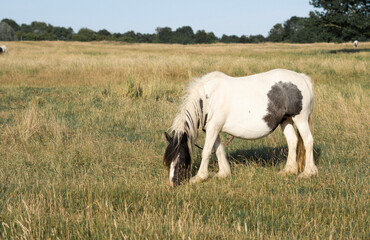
(3, 49)
(248, 107)
(355, 44)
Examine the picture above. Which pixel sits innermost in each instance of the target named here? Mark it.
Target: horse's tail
(301, 152)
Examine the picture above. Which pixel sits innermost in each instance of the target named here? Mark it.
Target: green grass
(81, 146)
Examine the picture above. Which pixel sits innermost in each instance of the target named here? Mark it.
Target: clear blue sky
(221, 17)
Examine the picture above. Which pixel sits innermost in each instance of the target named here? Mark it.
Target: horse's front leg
(223, 164)
(211, 136)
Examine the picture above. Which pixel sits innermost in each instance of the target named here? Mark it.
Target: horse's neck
(188, 121)
(192, 111)
(185, 122)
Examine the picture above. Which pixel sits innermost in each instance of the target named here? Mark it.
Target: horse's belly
(247, 129)
(245, 118)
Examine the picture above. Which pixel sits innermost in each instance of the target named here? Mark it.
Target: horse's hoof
(308, 174)
(304, 175)
(282, 173)
(221, 175)
(196, 179)
(288, 171)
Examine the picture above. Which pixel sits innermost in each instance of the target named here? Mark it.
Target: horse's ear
(168, 137)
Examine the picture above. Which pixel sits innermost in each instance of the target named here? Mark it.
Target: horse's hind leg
(291, 166)
(303, 127)
(223, 164)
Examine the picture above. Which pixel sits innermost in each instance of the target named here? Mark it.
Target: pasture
(82, 142)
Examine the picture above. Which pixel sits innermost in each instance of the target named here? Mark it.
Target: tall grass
(81, 145)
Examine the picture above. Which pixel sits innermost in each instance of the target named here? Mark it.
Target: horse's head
(177, 158)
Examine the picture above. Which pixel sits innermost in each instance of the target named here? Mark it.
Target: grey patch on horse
(201, 111)
(285, 100)
(201, 105)
(205, 122)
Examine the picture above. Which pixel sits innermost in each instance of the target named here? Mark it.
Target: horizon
(144, 17)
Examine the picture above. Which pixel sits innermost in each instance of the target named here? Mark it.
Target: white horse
(355, 44)
(3, 49)
(247, 107)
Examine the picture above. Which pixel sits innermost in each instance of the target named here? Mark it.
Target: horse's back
(280, 75)
(263, 82)
(265, 78)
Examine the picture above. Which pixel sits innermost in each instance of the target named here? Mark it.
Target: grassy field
(81, 145)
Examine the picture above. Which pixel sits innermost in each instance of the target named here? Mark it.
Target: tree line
(39, 31)
(338, 21)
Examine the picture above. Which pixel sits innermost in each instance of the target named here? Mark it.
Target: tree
(244, 39)
(300, 30)
(345, 20)
(39, 27)
(11, 23)
(183, 35)
(211, 37)
(85, 35)
(129, 36)
(25, 28)
(63, 33)
(230, 39)
(276, 34)
(117, 35)
(104, 32)
(145, 38)
(6, 32)
(313, 30)
(164, 34)
(257, 38)
(292, 26)
(201, 36)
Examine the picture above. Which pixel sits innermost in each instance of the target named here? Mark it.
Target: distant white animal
(355, 44)
(3, 49)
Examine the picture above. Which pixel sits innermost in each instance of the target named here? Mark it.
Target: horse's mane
(192, 112)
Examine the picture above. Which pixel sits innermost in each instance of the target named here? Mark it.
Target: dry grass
(81, 136)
